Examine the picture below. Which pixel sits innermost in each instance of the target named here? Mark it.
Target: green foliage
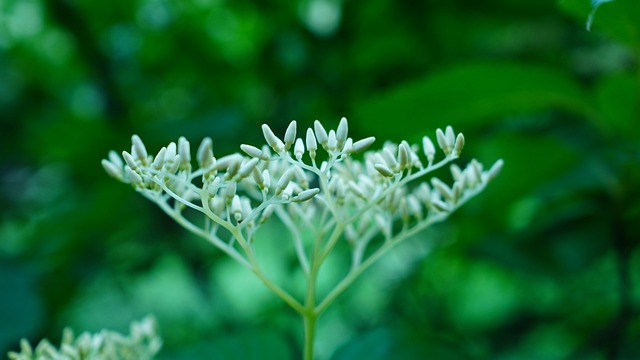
(524, 80)
(474, 95)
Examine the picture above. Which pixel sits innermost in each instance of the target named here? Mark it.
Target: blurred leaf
(21, 310)
(245, 345)
(473, 94)
(617, 98)
(486, 297)
(167, 291)
(619, 19)
(250, 346)
(373, 345)
(398, 343)
(530, 162)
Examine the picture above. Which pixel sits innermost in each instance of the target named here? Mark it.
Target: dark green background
(543, 265)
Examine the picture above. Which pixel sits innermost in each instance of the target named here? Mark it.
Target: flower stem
(309, 334)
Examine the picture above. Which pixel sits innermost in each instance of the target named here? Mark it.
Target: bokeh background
(543, 265)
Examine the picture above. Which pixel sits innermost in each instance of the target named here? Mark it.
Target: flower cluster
(142, 344)
(315, 186)
(311, 182)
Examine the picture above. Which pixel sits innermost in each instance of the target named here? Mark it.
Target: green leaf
(473, 94)
(618, 100)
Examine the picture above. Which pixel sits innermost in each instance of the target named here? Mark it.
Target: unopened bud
(362, 144)
(306, 195)
(290, 135)
(276, 144)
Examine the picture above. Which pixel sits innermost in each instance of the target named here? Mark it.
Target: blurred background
(543, 265)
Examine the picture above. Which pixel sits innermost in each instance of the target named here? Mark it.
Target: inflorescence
(143, 343)
(311, 183)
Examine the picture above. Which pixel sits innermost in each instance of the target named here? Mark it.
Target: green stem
(309, 334)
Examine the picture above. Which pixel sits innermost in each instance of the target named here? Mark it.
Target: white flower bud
(428, 148)
(258, 178)
(348, 146)
(332, 142)
(129, 160)
(276, 144)
(233, 168)
(247, 168)
(298, 149)
(184, 149)
(414, 207)
(439, 205)
(403, 155)
(476, 170)
(137, 149)
(424, 193)
(442, 188)
(266, 179)
(456, 192)
(205, 153)
(214, 185)
(158, 161)
(415, 160)
(266, 151)
(321, 133)
(389, 158)
(133, 176)
(342, 133)
(306, 195)
(112, 169)
(230, 191)
(458, 145)
(171, 152)
(383, 170)
(266, 214)
(284, 180)
(225, 162)
(253, 152)
(442, 142)
(287, 192)
(495, 169)
(246, 207)
(174, 164)
(362, 144)
(236, 208)
(456, 172)
(115, 159)
(451, 136)
(290, 135)
(216, 205)
(312, 146)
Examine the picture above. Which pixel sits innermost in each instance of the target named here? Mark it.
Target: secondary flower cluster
(310, 182)
(143, 343)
